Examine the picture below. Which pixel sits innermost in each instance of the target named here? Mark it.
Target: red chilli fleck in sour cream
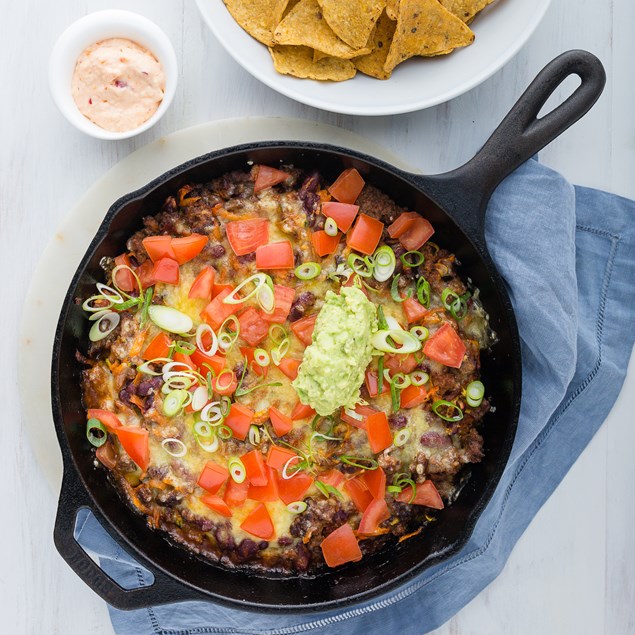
(118, 84)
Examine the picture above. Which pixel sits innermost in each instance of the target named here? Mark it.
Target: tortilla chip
(425, 27)
(352, 20)
(304, 25)
(258, 17)
(392, 9)
(298, 61)
(373, 63)
(465, 9)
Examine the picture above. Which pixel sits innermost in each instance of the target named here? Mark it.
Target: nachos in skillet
(284, 372)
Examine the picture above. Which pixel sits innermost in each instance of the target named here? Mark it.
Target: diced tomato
(236, 493)
(347, 186)
(341, 546)
(217, 504)
(413, 310)
(259, 524)
(363, 411)
(446, 347)
(278, 457)
(253, 329)
(188, 247)
(372, 384)
(216, 362)
(203, 284)
(245, 236)
(275, 256)
(300, 411)
(109, 419)
(359, 493)
(376, 482)
(166, 270)
(254, 464)
(124, 278)
(290, 367)
(248, 353)
(135, 443)
(342, 213)
(217, 289)
(144, 272)
(426, 494)
(378, 430)
(159, 247)
(280, 422)
(225, 384)
(283, 299)
(323, 243)
(412, 230)
(239, 419)
(412, 396)
(400, 363)
(158, 347)
(303, 329)
(216, 312)
(268, 177)
(266, 493)
(294, 488)
(365, 235)
(212, 477)
(184, 359)
(375, 514)
(332, 477)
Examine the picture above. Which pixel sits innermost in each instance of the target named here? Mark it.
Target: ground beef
(376, 204)
(301, 305)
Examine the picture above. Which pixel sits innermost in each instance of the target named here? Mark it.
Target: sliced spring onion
(254, 434)
(475, 390)
(454, 303)
(199, 398)
(412, 258)
(278, 334)
(145, 367)
(174, 401)
(401, 437)
(395, 397)
(406, 342)
(278, 353)
(327, 489)
(169, 319)
(258, 280)
(104, 326)
(353, 414)
(113, 275)
(124, 306)
(394, 290)
(308, 271)
(225, 432)
(418, 378)
(330, 227)
(96, 432)
(394, 489)
(91, 308)
(203, 429)
(381, 319)
(236, 469)
(473, 403)
(201, 331)
(185, 348)
(147, 300)
(174, 447)
(449, 407)
(95, 316)
(400, 380)
(325, 437)
(402, 480)
(261, 357)
(361, 462)
(109, 293)
(240, 391)
(361, 266)
(209, 444)
(225, 405)
(211, 414)
(226, 337)
(266, 297)
(423, 292)
(287, 471)
(420, 332)
(297, 507)
(385, 263)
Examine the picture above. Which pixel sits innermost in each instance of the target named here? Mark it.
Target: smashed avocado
(332, 370)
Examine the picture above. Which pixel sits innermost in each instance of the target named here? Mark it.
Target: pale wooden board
(574, 570)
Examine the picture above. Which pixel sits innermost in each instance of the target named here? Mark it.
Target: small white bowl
(96, 27)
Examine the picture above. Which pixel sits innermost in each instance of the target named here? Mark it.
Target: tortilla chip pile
(333, 39)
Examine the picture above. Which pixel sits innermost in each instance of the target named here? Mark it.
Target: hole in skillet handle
(164, 590)
(465, 192)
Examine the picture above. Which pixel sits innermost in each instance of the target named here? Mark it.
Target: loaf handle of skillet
(465, 192)
(164, 590)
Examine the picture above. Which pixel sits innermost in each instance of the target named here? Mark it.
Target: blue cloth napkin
(567, 255)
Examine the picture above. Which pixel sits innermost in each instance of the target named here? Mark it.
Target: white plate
(501, 30)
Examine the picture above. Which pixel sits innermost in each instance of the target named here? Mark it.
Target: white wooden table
(574, 569)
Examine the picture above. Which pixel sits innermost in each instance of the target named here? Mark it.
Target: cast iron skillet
(455, 203)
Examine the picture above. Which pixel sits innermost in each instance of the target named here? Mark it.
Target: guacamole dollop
(332, 370)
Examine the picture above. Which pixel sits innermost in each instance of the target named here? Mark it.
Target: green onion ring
(420, 332)
(401, 437)
(261, 357)
(454, 303)
(96, 432)
(361, 462)
(113, 275)
(423, 292)
(330, 227)
(395, 397)
(441, 403)
(203, 429)
(185, 348)
(104, 326)
(400, 380)
(475, 390)
(393, 489)
(226, 338)
(394, 290)
(419, 259)
(225, 432)
(259, 279)
(169, 319)
(182, 451)
(174, 401)
(365, 270)
(385, 263)
(286, 474)
(473, 403)
(297, 507)
(407, 342)
(208, 444)
(237, 470)
(419, 378)
(327, 490)
(308, 271)
(225, 405)
(274, 329)
(254, 434)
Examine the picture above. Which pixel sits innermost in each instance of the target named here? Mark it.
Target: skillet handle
(164, 590)
(465, 192)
